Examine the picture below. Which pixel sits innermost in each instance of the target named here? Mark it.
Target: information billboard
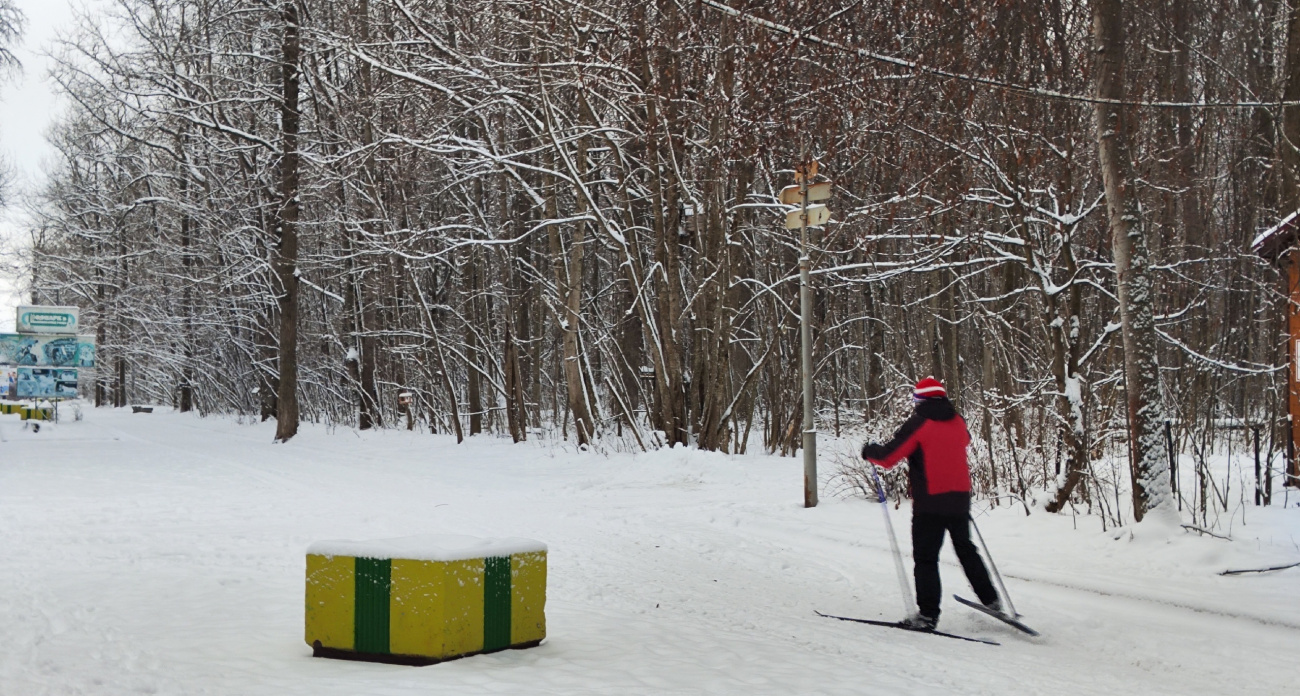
(46, 383)
(37, 319)
(47, 351)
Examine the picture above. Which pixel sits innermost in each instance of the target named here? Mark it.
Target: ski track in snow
(164, 554)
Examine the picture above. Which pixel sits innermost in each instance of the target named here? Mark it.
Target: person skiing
(934, 441)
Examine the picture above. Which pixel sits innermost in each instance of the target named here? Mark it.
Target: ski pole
(909, 604)
(1011, 608)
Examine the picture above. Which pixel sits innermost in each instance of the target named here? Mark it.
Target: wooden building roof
(1276, 240)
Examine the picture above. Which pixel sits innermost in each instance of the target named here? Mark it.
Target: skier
(934, 441)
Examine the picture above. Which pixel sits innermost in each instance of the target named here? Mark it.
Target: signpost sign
(819, 191)
(85, 352)
(38, 350)
(48, 320)
(46, 383)
(816, 216)
(801, 218)
(43, 357)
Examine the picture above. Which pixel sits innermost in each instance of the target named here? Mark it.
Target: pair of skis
(1011, 618)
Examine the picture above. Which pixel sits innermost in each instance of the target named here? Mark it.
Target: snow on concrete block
(426, 599)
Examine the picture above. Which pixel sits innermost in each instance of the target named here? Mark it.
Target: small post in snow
(1259, 487)
(801, 194)
(1173, 463)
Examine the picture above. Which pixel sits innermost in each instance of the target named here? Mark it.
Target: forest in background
(560, 218)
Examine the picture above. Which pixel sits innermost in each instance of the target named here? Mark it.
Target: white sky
(27, 106)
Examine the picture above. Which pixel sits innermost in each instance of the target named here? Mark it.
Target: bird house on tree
(689, 222)
(1280, 245)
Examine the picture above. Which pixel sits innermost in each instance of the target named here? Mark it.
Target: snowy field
(164, 554)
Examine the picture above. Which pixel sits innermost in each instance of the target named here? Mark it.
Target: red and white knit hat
(928, 388)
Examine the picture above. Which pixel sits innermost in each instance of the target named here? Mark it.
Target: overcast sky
(27, 106)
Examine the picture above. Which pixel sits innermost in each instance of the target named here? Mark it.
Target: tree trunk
(712, 383)
(567, 265)
(434, 345)
(516, 415)
(187, 303)
(474, 381)
(1147, 453)
(101, 310)
(286, 259)
(119, 395)
(1069, 384)
(369, 416)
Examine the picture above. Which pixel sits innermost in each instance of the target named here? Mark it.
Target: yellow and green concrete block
(44, 413)
(421, 600)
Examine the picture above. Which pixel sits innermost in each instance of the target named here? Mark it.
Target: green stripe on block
(374, 584)
(496, 603)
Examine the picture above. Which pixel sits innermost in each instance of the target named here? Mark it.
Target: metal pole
(909, 604)
(805, 327)
(1011, 608)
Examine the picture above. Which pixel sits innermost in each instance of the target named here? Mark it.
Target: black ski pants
(927, 539)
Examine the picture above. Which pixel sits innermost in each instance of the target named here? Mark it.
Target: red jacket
(934, 441)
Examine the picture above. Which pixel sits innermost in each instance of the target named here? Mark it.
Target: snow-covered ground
(164, 554)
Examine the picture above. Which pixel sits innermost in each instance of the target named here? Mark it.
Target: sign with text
(37, 319)
(817, 215)
(46, 383)
(47, 350)
(819, 191)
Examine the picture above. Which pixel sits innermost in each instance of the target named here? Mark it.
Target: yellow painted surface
(527, 597)
(331, 601)
(33, 413)
(464, 607)
(435, 608)
(417, 611)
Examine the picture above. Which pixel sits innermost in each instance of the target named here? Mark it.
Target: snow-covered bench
(424, 599)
